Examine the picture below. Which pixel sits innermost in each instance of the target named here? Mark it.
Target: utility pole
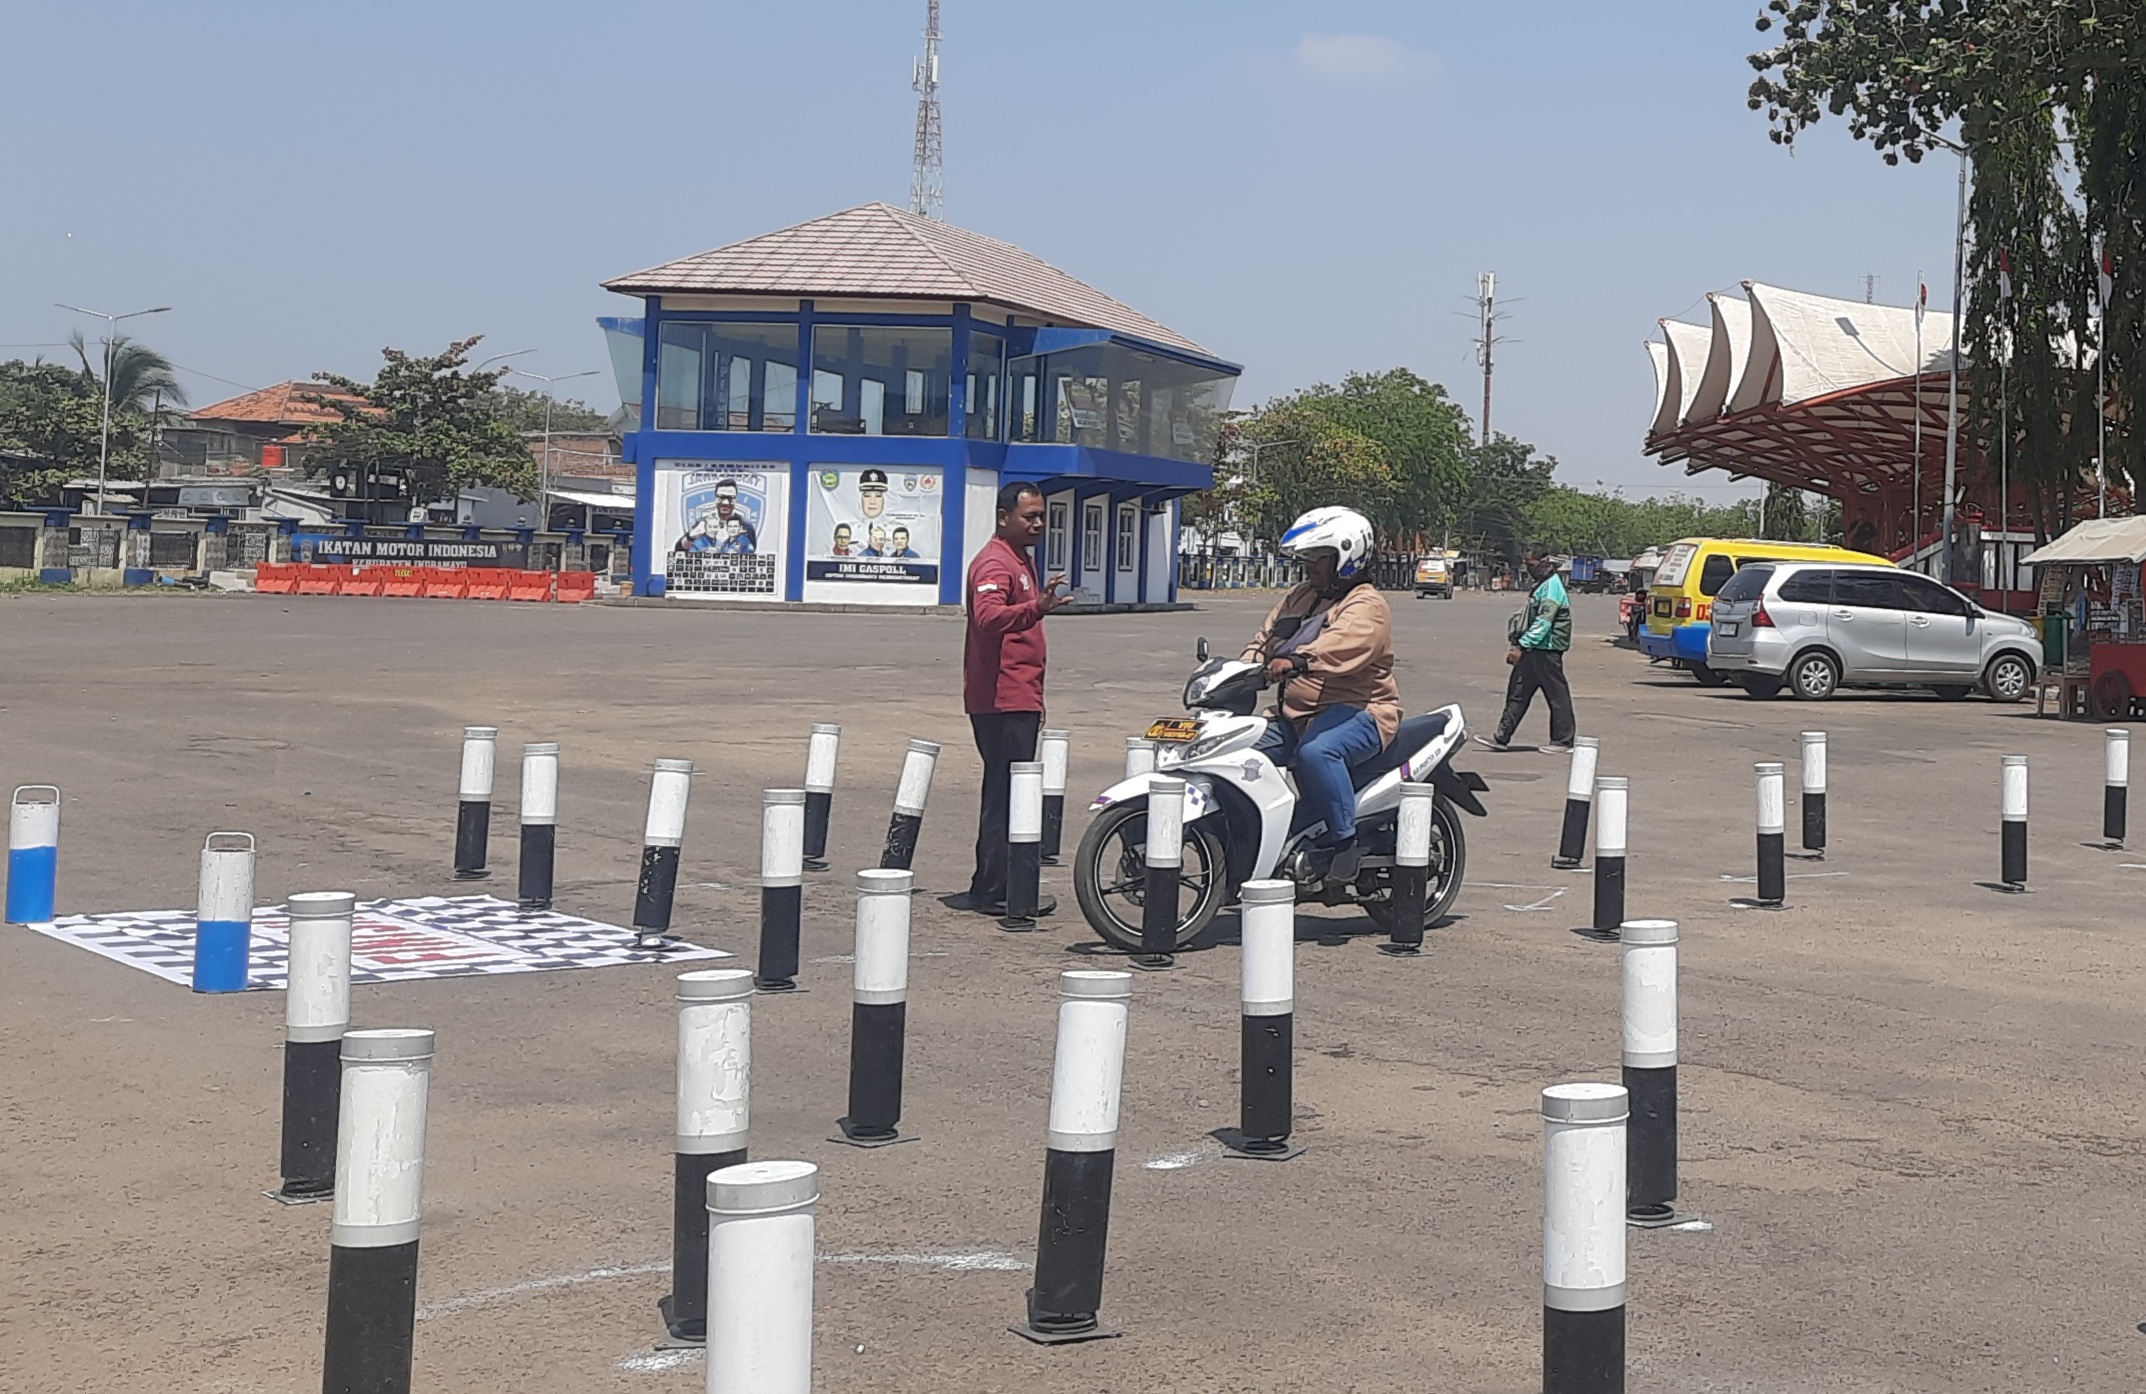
(1487, 317)
(1870, 288)
(927, 178)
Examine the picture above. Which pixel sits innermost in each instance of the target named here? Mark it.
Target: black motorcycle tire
(1109, 836)
(1438, 903)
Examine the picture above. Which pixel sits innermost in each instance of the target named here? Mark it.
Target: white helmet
(1342, 531)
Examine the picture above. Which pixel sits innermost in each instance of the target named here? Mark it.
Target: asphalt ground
(1911, 1105)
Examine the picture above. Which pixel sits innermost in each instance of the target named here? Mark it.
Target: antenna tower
(927, 179)
(1487, 337)
(1870, 289)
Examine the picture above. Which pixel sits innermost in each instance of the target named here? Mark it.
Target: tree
(524, 411)
(141, 377)
(430, 418)
(1503, 483)
(52, 416)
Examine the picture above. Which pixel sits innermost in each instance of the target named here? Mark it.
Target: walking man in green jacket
(1537, 657)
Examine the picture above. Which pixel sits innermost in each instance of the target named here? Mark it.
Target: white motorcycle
(1240, 807)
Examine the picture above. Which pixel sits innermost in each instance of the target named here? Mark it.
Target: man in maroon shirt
(1002, 679)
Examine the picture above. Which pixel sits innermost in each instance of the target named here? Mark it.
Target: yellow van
(1680, 602)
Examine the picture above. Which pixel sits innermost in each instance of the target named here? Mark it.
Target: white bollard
(760, 1257)
(2012, 791)
(473, 814)
(711, 1130)
(1773, 833)
(1649, 1009)
(540, 817)
(879, 1009)
(223, 924)
(1414, 823)
(910, 795)
(821, 750)
(664, 832)
(1024, 849)
(1814, 793)
(1267, 1027)
(782, 887)
(1055, 750)
(1164, 853)
(1583, 1238)
(2116, 783)
(1140, 755)
(1579, 797)
(379, 1196)
(1611, 795)
(316, 1013)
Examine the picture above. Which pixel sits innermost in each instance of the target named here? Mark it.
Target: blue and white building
(826, 414)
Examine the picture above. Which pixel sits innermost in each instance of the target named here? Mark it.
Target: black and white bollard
(782, 886)
(1814, 794)
(1579, 797)
(664, 832)
(2115, 785)
(1140, 755)
(1611, 794)
(540, 817)
(473, 815)
(1266, 1102)
(316, 1013)
(714, 1117)
(1080, 1155)
(379, 1175)
(223, 915)
(33, 853)
(1583, 1238)
(2012, 790)
(820, 752)
(1773, 834)
(1650, 1070)
(879, 1010)
(910, 795)
(1055, 750)
(1165, 857)
(1411, 869)
(759, 1259)
(1024, 848)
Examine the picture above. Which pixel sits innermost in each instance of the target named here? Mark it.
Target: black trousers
(1001, 738)
(1539, 670)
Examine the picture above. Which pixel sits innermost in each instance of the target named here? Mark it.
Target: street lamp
(1256, 446)
(1952, 390)
(544, 468)
(497, 357)
(104, 442)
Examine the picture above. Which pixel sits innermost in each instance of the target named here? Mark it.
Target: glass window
(1813, 587)
(1128, 536)
(726, 377)
(881, 381)
(1715, 574)
(987, 364)
(1116, 397)
(1054, 537)
(1747, 584)
(1865, 590)
(1922, 593)
(1091, 537)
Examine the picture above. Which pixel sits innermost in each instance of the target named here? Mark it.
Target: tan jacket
(1351, 657)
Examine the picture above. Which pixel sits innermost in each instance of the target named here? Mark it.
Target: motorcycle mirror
(1200, 652)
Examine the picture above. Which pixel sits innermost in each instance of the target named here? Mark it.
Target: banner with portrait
(718, 530)
(873, 523)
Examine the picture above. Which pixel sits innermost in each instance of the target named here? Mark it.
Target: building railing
(1207, 571)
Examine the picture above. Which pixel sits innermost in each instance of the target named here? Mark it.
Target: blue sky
(1307, 189)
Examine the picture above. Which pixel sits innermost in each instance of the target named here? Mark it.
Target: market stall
(2093, 632)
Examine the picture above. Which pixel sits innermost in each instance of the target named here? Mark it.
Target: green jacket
(1549, 618)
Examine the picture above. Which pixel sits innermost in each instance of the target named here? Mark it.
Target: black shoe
(1348, 858)
(968, 900)
(1045, 905)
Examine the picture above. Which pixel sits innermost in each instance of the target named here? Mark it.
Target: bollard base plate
(1233, 1145)
(761, 984)
(1600, 936)
(535, 904)
(1807, 855)
(1048, 861)
(1670, 1220)
(1065, 1338)
(310, 1198)
(1151, 963)
(1392, 950)
(816, 863)
(2005, 887)
(473, 876)
(1565, 863)
(676, 1340)
(842, 1136)
(1745, 902)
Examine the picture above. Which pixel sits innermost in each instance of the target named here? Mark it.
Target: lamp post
(1952, 389)
(544, 467)
(104, 441)
(1256, 446)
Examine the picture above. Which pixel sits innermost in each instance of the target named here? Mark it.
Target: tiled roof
(284, 404)
(881, 250)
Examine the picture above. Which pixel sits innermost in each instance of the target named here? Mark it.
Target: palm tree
(141, 376)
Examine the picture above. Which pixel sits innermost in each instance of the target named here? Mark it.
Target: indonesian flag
(1922, 299)
(2107, 281)
(2004, 276)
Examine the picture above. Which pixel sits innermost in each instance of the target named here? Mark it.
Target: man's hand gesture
(1053, 598)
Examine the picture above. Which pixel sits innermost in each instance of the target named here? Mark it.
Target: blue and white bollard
(33, 853)
(223, 917)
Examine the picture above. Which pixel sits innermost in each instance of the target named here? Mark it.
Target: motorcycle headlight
(1191, 750)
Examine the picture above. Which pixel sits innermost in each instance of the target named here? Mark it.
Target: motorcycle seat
(1415, 733)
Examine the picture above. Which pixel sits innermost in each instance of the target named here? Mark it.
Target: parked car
(1693, 571)
(1434, 575)
(1816, 627)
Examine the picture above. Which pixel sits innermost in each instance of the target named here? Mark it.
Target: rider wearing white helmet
(1330, 642)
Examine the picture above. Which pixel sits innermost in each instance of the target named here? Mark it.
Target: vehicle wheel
(1110, 876)
(1813, 677)
(2008, 678)
(1953, 691)
(1708, 677)
(1763, 688)
(1449, 862)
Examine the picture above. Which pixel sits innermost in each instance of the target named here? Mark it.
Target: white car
(1815, 627)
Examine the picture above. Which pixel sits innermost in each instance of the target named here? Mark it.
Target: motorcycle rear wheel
(1449, 863)
(1110, 877)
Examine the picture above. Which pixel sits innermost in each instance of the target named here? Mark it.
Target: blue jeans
(1320, 758)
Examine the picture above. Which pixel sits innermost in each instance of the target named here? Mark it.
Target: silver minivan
(1814, 627)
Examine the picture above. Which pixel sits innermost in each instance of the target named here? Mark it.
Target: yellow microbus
(1680, 603)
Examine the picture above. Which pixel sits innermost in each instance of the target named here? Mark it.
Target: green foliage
(430, 417)
(2050, 97)
(1505, 483)
(142, 378)
(524, 411)
(55, 415)
(1611, 525)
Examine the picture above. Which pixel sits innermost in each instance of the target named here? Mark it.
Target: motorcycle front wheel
(1110, 877)
(1449, 862)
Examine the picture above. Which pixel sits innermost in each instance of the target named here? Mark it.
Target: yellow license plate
(1174, 728)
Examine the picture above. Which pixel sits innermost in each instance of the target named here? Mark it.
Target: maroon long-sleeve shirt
(1002, 656)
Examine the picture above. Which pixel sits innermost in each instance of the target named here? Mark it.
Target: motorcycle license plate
(1729, 630)
(1176, 729)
